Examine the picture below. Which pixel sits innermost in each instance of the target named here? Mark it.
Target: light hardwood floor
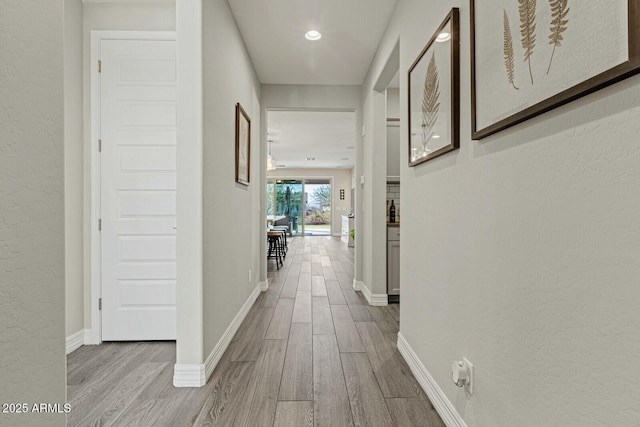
(311, 351)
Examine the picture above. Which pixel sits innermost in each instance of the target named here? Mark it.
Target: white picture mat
(596, 39)
(442, 54)
(243, 160)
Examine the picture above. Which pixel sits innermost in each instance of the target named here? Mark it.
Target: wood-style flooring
(311, 351)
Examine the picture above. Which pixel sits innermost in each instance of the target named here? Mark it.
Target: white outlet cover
(469, 386)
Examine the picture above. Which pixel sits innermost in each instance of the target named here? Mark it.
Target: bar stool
(275, 251)
(284, 229)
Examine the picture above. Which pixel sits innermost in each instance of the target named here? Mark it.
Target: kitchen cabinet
(393, 263)
(348, 224)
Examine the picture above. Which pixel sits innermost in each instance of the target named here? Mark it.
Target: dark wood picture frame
(453, 79)
(613, 75)
(243, 146)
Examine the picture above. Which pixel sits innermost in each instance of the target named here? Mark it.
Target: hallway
(310, 352)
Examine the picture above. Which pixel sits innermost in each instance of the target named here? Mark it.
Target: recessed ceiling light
(311, 159)
(443, 37)
(313, 35)
(435, 136)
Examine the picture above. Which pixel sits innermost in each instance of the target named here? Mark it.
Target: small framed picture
(434, 94)
(243, 146)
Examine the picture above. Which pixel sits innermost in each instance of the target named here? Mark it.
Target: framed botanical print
(434, 94)
(530, 56)
(243, 146)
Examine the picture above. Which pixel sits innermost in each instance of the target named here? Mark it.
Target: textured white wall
(521, 252)
(341, 180)
(73, 169)
(232, 232)
(32, 351)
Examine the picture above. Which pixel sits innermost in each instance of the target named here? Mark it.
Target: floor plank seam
(275, 371)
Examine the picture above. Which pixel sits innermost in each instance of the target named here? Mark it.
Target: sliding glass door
(285, 203)
(317, 219)
(302, 204)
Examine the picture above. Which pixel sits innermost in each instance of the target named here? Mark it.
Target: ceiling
(323, 135)
(273, 31)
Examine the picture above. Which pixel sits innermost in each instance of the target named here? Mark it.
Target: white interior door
(138, 189)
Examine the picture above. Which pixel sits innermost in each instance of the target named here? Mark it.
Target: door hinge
(99, 66)
(99, 146)
(99, 224)
(99, 303)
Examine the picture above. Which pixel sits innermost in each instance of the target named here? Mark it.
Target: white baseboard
(78, 339)
(88, 337)
(440, 402)
(189, 375)
(223, 344)
(196, 375)
(357, 285)
(264, 286)
(379, 300)
(75, 341)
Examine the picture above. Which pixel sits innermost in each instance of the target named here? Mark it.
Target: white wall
(341, 179)
(73, 167)
(393, 133)
(393, 102)
(189, 197)
(295, 97)
(232, 232)
(32, 351)
(521, 252)
(374, 235)
(96, 16)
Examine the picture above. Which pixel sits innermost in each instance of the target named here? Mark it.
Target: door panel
(138, 189)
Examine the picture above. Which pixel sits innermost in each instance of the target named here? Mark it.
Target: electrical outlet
(469, 385)
(462, 374)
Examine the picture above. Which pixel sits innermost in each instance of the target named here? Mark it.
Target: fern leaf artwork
(508, 52)
(559, 21)
(430, 102)
(528, 29)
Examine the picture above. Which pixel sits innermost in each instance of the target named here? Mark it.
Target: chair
(284, 222)
(283, 229)
(275, 247)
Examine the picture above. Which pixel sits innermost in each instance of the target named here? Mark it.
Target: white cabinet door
(138, 189)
